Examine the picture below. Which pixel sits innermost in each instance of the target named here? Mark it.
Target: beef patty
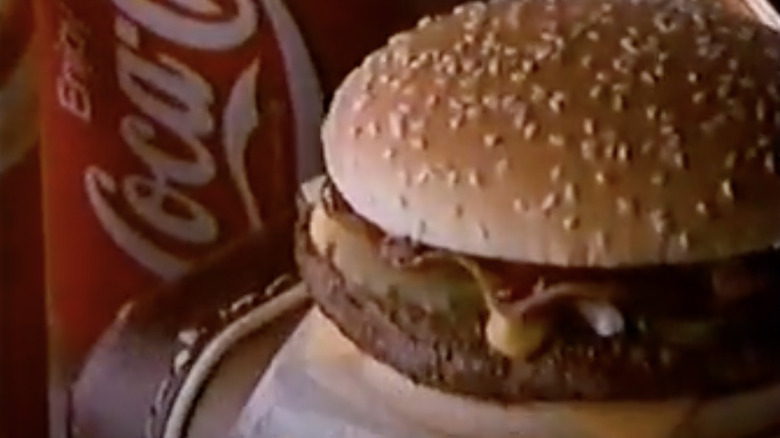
(450, 352)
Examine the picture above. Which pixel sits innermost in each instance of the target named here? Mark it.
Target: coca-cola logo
(170, 97)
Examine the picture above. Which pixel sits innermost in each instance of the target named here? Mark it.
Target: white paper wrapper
(310, 391)
(321, 387)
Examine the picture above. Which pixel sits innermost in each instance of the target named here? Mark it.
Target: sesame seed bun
(590, 133)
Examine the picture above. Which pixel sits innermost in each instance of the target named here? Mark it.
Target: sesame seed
(508, 102)
(703, 209)
(452, 178)
(494, 67)
(601, 178)
(456, 122)
(432, 100)
(609, 151)
(647, 147)
(557, 102)
(490, 102)
(647, 78)
(519, 120)
(397, 125)
(747, 83)
(727, 189)
(587, 61)
(667, 129)
(527, 66)
(773, 91)
(519, 205)
(658, 71)
(483, 231)
(693, 77)
(571, 223)
(658, 179)
(557, 140)
(475, 180)
(420, 229)
(530, 130)
(761, 111)
(588, 149)
(730, 161)
(473, 112)
(684, 240)
(620, 87)
(399, 39)
(537, 93)
(556, 173)
(764, 141)
(372, 129)
(625, 206)
(570, 193)
(660, 221)
(502, 167)
(618, 102)
(354, 131)
(549, 202)
(629, 45)
(769, 162)
(418, 143)
(593, 35)
(600, 239)
(388, 154)
(624, 153)
(360, 103)
(423, 176)
(596, 92)
(680, 160)
(699, 97)
(724, 90)
(424, 22)
(491, 140)
(651, 112)
(589, 126)
(417, 126)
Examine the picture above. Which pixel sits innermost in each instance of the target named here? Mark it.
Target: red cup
(171, 129)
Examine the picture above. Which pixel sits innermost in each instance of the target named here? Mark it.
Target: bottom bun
(754, 414)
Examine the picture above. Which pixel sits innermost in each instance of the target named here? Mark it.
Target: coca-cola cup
(171, 129)
(22, 310)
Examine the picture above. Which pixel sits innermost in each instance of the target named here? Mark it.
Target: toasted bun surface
(750, 414)
(574, 133)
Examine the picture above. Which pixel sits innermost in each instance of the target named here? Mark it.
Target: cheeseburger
(542, 206)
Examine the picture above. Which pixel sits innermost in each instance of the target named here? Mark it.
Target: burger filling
(526, 304)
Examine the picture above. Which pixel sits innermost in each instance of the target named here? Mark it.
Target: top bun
(574, 133)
